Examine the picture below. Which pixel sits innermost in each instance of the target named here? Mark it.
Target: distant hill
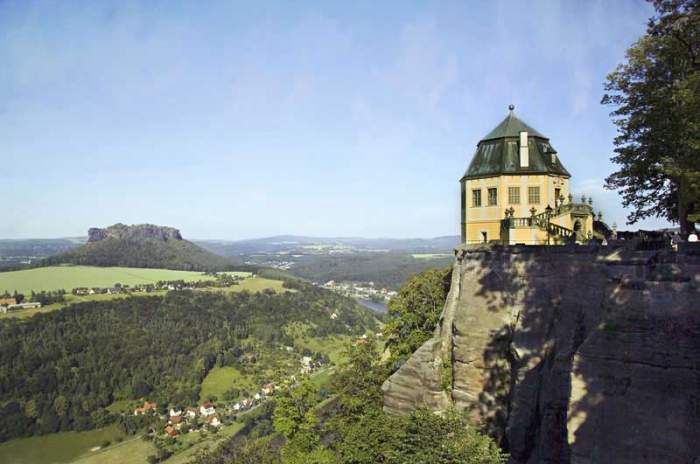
(143, 245)
(289, 243)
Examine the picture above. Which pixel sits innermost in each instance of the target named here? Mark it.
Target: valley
(265, 329)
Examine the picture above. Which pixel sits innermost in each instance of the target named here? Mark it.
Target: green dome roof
(511, 126)
(498, 152)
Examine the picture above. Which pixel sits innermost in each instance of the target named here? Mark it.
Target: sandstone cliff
(567, 354)
(140, 231)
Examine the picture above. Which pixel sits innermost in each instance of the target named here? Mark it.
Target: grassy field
(251, 284)
(220, 379)
(333, 346)
(55, 448)
(69, 277)
(133, 451)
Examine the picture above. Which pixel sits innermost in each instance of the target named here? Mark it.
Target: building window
(493, 197)
(533, 195)
(476, 197)
(557, 195)
(514, 195)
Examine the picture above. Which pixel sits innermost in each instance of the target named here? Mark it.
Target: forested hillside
(59, 371)
(388, 270)
(143, 252)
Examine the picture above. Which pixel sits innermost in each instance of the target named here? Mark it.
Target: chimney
(524, 160)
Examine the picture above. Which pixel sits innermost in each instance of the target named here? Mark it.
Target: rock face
(567, 354)
(140, 231)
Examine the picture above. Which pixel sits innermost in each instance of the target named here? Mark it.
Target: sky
(232, 120)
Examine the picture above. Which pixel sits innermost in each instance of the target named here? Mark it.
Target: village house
(176, 411)
(268, 389)
(147, 407)
(191, 413)
(16, 306)
(207, 409)
(170, 430)
(306, 364)
(7, 301)
(176, 421)
(213, 420)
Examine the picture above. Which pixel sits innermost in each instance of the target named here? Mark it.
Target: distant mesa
(141, 245)
(139, 231)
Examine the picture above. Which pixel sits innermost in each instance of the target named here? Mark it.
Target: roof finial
(511, 107)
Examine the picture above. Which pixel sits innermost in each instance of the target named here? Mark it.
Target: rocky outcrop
(140, 231)
(567, 354)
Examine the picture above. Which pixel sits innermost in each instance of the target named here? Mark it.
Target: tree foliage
(656, 96)
(415, 311)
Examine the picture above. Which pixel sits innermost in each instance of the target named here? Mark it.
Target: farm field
(55, 448)
(69, 277)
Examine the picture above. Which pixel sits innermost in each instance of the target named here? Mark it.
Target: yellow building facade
(516, 191)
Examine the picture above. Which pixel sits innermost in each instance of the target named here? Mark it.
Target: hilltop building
(516, 190)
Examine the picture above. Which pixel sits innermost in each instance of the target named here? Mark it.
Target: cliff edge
(567, 354)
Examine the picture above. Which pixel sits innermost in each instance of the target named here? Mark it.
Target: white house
(207, 409)
(174, 412)
(213, 420)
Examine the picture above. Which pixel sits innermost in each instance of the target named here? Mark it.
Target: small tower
(514, 190)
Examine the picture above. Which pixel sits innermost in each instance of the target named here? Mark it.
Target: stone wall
(567, 354)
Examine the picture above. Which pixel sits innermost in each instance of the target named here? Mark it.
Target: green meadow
(69, 277)
(56, 448)
(133, 450)
(221, 379)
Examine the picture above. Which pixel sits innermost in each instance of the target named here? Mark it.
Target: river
(376, 307)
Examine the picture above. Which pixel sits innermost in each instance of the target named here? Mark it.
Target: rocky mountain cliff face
(140, 231)
(567, 354)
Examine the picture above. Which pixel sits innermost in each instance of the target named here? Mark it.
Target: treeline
(387, 270)
(60, 370)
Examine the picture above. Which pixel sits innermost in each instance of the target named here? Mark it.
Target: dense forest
(388, 270)
(150, 253)
(60, 370)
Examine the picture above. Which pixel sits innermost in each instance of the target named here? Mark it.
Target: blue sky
(234, 120)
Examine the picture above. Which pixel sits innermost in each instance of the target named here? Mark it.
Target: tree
(292, 406)
(656, 95)
(415, 311)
